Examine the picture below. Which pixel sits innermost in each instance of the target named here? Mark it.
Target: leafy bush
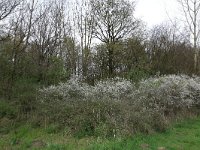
(24, 93)
(52, 129)
(138, 74)
(6, 110)
(56, 72)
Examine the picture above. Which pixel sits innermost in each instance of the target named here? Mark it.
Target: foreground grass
(182, 136)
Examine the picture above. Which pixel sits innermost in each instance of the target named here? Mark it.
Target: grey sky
(156, 11)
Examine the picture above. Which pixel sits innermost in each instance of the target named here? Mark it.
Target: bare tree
(85, 25)
(7, 7)
(113, 21)
(191, 12)
(49, 34)
(19, 32)
(169, 52)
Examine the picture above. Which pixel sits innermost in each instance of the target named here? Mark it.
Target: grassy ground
(182, 136)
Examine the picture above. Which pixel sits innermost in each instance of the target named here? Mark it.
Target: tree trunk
(110, 60)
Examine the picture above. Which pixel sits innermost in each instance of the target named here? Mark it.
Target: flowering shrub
(172, 90)
(116, 88)
(169, 92)
(118, 105)
(73, 89)
(113, 89)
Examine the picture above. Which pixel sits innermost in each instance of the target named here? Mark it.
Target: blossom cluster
(169, 92)
(163, 92)
(114, 88)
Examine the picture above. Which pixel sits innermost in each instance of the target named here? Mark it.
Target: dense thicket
(117, 107)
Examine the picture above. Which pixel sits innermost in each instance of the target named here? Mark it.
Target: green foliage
(6, 125)
(86, 129)
(27, 67)
(52, 129)
(7, 110)
(103, 130)
(56, 72)
(138, 74)
(56, 147)
(24, 94)
(5, 67)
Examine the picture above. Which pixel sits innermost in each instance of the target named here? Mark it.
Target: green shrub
(56, 72)
(138, 74)
(52, 129)
(7, 110)
(6, 125)
(24, 94)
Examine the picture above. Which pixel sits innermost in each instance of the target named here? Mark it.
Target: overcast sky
(156, 11)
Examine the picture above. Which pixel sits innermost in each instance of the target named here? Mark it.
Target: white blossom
(158, 93)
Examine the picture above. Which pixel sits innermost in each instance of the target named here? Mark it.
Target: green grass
(182, 136)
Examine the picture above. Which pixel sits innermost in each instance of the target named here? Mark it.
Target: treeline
(47, 42)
